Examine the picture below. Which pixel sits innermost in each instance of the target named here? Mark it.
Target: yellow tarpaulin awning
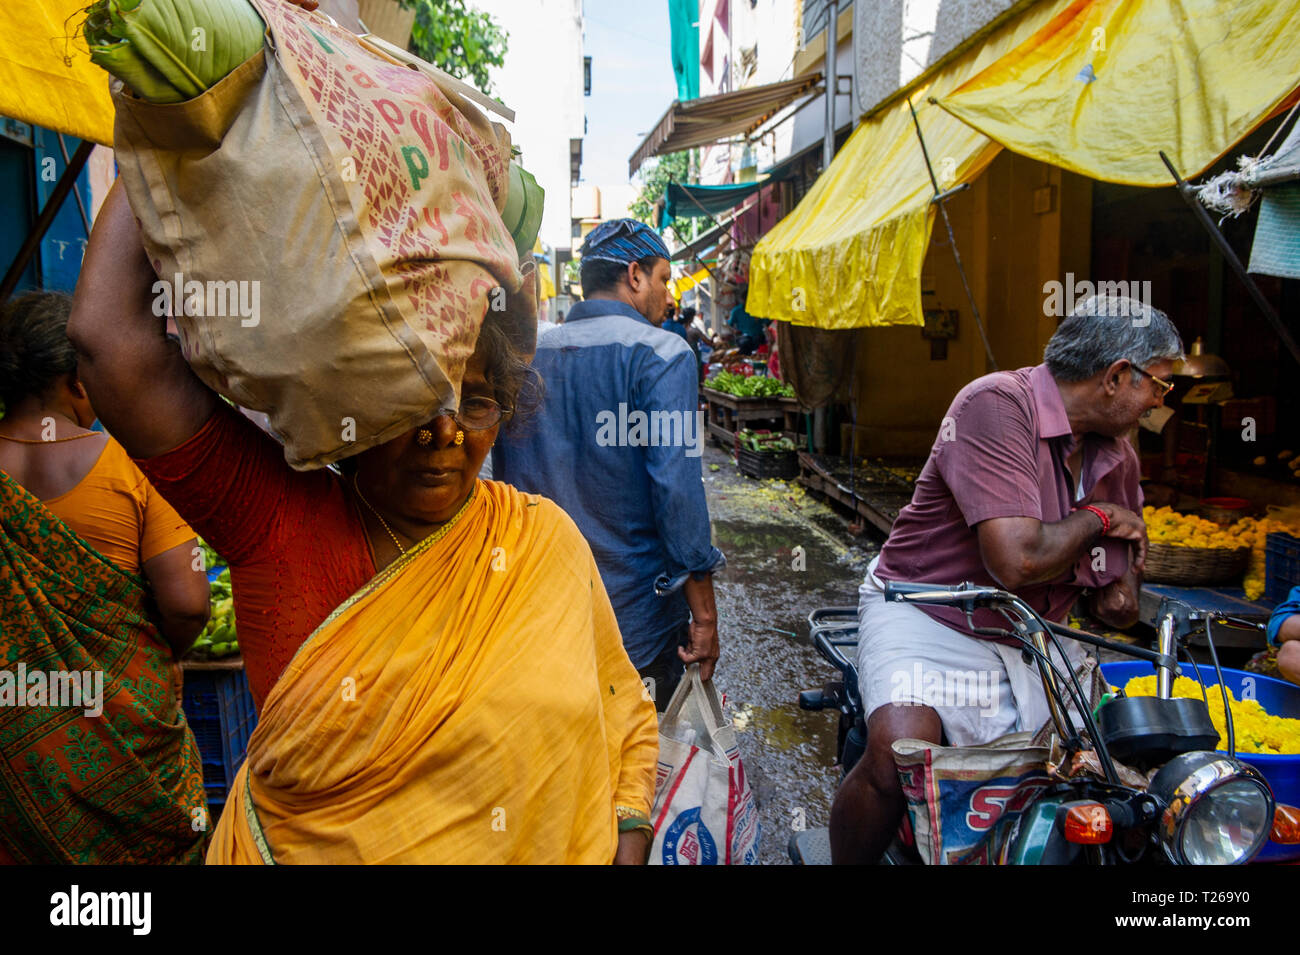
(46, 77)
(687, 282)
(850, 254)
(1095, 86)
(1108, 84)
(545, 284)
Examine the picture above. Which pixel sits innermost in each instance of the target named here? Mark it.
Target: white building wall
(809, 124)
(715, 50)
(892, 42)
(771, 28)
(542, 81)
(897, 39)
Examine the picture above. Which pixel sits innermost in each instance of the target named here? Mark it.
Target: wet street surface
(765, 528)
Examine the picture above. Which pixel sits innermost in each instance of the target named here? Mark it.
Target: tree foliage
(572, 273)
(457, 38)
(674, 167)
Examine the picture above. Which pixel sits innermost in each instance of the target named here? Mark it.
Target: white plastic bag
(704, 812)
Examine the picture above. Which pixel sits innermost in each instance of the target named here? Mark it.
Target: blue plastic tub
(1278, 697)
(219, 709)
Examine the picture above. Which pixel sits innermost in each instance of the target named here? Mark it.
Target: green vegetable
(218, 638)
(210, 557)
(743, 386)
(768, 442)
(168, 51)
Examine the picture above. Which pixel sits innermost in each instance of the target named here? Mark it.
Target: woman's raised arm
(138, 381)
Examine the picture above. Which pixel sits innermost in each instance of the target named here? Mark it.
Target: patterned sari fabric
(471, 704)
(123, 786)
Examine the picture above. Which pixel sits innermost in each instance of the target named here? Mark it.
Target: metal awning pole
(43, 222)
(703, 264)
(1187, 192)
(832, 83)
(939, 198)
(81, 206)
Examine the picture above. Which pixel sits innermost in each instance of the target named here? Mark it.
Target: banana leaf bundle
(169, 51)
(523, 211)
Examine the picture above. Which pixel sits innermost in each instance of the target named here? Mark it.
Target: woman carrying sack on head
(97, 599)
(439, 672)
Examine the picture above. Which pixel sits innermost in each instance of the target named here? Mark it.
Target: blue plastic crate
(1281, 566)
(219, 709)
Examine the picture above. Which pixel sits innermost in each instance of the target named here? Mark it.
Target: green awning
(683, 201)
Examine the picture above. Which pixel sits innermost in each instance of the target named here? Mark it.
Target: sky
(631, 82)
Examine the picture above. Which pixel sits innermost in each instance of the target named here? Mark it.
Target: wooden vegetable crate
(729, 413)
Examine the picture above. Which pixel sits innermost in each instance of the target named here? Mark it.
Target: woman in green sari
(97, 763)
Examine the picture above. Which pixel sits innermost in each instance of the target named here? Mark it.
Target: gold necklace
(75, 437)
(400, 549)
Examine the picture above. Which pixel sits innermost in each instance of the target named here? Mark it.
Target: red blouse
(295, 543)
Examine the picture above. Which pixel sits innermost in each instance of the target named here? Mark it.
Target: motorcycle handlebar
(969, 596)
(940, 594)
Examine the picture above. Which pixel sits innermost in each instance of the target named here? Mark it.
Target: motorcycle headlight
(1219, 811)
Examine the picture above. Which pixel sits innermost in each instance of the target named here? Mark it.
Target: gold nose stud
(424, 437)
(460, 437)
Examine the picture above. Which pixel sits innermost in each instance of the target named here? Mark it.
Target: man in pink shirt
(1031, 486)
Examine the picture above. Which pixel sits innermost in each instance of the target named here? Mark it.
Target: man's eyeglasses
(1165, 386)
(478, 413)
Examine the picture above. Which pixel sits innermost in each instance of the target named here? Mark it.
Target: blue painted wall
(30, 165)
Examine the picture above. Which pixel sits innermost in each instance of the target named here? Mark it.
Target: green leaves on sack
(168, 51)
(523, 212)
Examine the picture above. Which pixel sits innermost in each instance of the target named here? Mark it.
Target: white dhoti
(981, 689)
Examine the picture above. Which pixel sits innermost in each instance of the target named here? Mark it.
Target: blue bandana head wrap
(623, 240)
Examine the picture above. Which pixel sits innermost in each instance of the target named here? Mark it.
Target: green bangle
(633, 823)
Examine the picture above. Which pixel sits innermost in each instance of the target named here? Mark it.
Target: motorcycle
(1197, 806)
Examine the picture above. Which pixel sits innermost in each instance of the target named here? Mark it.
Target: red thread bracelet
(1105, 521)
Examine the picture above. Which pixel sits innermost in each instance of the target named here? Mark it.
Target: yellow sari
(471, 704)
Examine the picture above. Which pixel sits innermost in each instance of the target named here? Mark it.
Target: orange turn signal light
(1088, 824)
(1286, 825)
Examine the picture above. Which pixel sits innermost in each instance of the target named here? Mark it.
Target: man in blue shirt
(671, 323)
(1284, 632)
(750, 330)
(617, 444)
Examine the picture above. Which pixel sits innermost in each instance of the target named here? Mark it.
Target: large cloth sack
(335, 221)
(704, 812)
(961, 800)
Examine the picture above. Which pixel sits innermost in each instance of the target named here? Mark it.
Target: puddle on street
(787, 554)
(785, 728)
